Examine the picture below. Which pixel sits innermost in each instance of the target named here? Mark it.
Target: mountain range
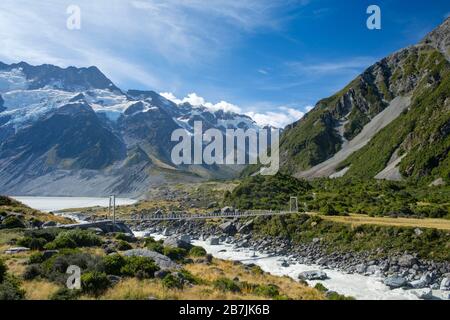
(391, 122)
(73, 132)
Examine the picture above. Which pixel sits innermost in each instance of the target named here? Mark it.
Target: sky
(270, 59)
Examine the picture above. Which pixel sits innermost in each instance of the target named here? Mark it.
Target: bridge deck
(185, 216)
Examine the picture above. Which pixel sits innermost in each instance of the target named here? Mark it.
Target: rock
(284, 264)
(47, 254)
(214, 241)
(425, 294)
(163, 262)
(313, 275)
(229, 228)
(186, 238)
(114, 279)
(246, 227)
(177, 243)
(361, 268)
(49, 224)
(418, 232)
(167, 232)
(407, 260)
(423, 282)
(227, 210)
(212, 205)
(16, 250)
(160, 274)
(395, 282)
(445, 284)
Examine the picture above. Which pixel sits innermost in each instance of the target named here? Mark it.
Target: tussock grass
(39, 289)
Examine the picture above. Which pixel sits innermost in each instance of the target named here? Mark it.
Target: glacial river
(355, 285)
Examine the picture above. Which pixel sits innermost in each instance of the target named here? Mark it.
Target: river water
(52, 204)
(355, 285)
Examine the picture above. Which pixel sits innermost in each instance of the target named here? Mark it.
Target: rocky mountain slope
(73, 132)
(392, 121)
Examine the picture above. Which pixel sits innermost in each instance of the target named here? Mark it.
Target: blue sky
(268, 58)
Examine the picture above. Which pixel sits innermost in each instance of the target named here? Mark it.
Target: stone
(186, 238)
(246, 227)
(177, 243)
(418, 232)
(214, 241)
(167, 232)
(395, 282)
(284, 264)
(47, 254)
(227, 210)
(445, 284)
(49, 224)
(424, 294)
(407, 260)
(163, 262)
(313, 275)
(228, 227)
(160, 274)
(16, 250)
(114, 279)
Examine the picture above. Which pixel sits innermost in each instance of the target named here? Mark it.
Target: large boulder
(229, 228)
(313, 275)
(246, 227)
(395, 282)
(214, 241)
(424, 294)
(423, 282)
(227, 210)
(176, 242)
(163, 262)
(445, 284)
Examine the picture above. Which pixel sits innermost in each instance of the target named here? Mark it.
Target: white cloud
(197, 101)
(309, 108)
(356, 64)
(280, 119)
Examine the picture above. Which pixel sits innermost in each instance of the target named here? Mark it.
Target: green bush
(176, 254)
(125, 237)
(32, 272)
(141, 267)
(172, 282)
(13, 222)
(113, 264)
(94, 283)
(10, 289)
(3, 270)
(156, 246)
(73, 239)
(197, 252)
(225, 284)
(270, 290)
(123, 245)
(65, 294)
(55, 268)
(36, 257)
(320, 287)
(32, 243)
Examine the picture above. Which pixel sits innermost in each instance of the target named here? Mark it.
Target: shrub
(269, 290)
(13, 222)
(172, 282)
(37, 257)
(113, 264)
(65, 294)
(141, 267)
(55, 268)
(10, 289)
(225, 284)
(156, 246)
(48, 234)
(3, 270)
(176, 254)
(73, 239)
(123, 246)
(94, 283)
(32, 243)
(197, 252)
(321, 287)
(125, 237)
(329, 210)
(32, 272)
